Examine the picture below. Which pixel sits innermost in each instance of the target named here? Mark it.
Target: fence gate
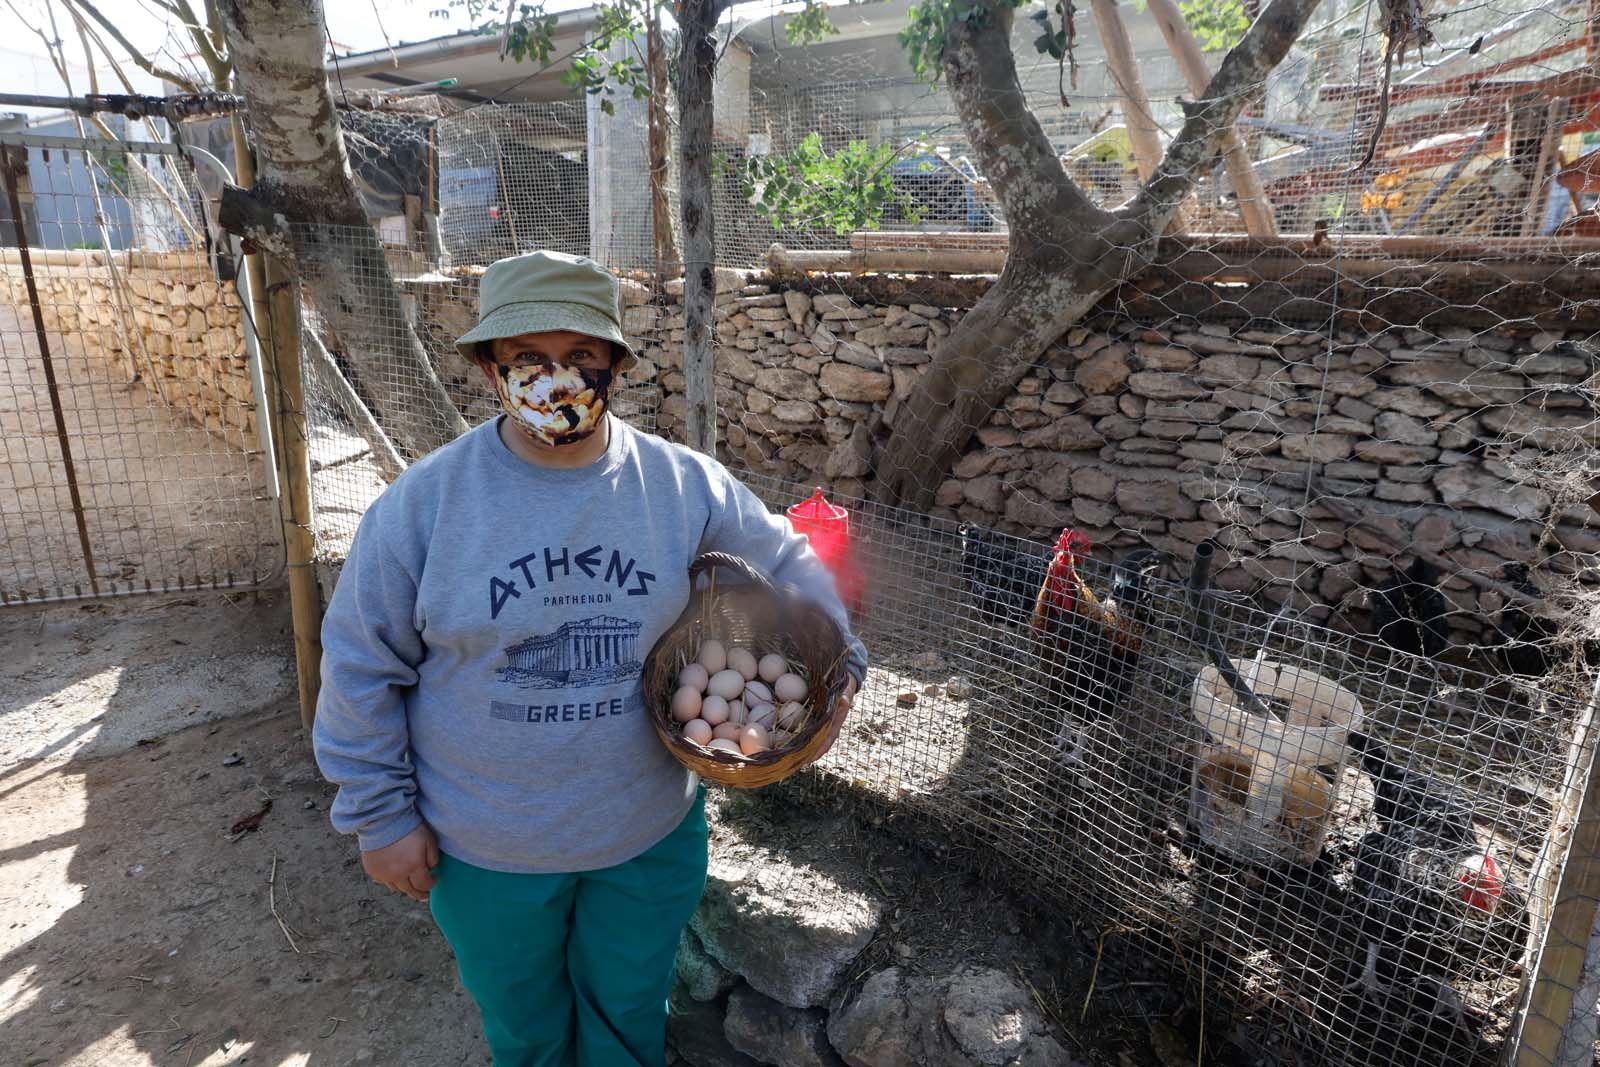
(130, 459)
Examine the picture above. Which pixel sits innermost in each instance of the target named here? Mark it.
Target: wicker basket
(751, 612)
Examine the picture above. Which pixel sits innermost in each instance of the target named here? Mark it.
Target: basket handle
(710, 561)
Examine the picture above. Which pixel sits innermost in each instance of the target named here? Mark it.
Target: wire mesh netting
(130, 460)
(1342, 823)
(1338, 901)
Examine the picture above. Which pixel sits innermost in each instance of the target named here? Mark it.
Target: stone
(1031, 513)
(1404, 494)
(788, 384)
(1163, 357)
(997, 436)
(845, 382)
(1475, 487)
(850, 458)
(798, 304)
(1316, 447)
(949, 494)
(905, 357)
(1164, 498)
(1063, 393)
(758, 402)
(1223, 370)
(1212, 343)
(695, 1033)
(1093, 483)
(987, 492)
(832, 302)
(1408, 401)
(824, 340)
(790, 932)
(1404, 429)
(1069, 433)
(975, 1017)
(1103, 373)
(700, 976)
(1387, 452)
(1158, 385)
(736, 365)
(770, 1032)
(1459, 383)
(795, 411)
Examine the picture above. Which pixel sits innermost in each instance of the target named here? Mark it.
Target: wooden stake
(1575, 838)
(1253, 204)
(287, 407)
(1130, 89)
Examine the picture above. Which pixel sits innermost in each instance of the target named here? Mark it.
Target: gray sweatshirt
(482, 653)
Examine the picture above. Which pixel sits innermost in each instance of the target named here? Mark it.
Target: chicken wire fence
(1337, 904)
(129, 459)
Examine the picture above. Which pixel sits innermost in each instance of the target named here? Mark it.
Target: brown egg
(713, 657)
(754, 739)
(699, 731)
(743, 661)
(694, 676)
(772, 667)
(726, 684)
(686, 704)
(724, 745)
(729, 730)
(789, 687)
(737, 713)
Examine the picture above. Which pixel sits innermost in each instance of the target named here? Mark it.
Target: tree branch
(208, 53)
(1241, 76)
(1040, 201)
(142, 61)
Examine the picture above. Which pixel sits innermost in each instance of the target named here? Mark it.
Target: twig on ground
(164, 1030)
(272, 904)
(334, 1029)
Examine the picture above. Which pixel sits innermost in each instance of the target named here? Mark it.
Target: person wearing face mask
(481, 708)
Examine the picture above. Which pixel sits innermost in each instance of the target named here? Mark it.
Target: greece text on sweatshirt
(483, 650)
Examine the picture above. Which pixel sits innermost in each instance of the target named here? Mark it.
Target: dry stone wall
(1460, 441)
(160, 319)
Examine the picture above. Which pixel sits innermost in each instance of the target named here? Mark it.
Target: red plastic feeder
(827, 527)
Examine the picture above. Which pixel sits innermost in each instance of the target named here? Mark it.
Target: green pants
(575, 968)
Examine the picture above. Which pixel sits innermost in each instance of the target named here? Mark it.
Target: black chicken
(1088, 645)
(1524, 638)
(1409, 613)
(1432, 900)
(1000, 582)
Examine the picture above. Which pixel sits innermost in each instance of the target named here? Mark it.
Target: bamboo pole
(286, 404)
(1253, 205)
(1130, 88)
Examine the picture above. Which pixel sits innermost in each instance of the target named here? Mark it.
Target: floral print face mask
(554, 405)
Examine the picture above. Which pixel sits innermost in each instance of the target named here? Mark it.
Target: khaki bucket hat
(544, 291)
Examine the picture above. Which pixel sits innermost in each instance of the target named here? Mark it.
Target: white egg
(686, 704)
(762, 715)
(695, 677)
(743, 661)
(728, 730)
(714, 710)
(726, 684)
(737, 712)
(791, 715)
(713, 657)
(772, 667)
(757, 693)
(790, 687)
(698, 730)
(754, 739)
(724, 745)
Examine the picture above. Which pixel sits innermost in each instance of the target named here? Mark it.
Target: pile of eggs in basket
(730, 699)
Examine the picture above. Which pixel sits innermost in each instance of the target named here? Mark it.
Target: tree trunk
(1063, 252)
(660, 139)
(697, 64)
(304, 205)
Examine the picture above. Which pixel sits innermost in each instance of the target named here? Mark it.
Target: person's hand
(840, 711)
(405, 866)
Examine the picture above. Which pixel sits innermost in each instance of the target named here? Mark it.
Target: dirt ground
(139, 927)
(135, 928)
(164, 501)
